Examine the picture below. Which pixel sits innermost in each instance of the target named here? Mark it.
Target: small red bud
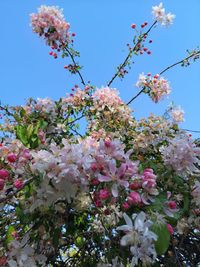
(11, 157)
(149, 52)
(51, 53)
(145, 49)
(141, 52)
(73, 34)
(65, 67)
(133, 26)
(150, 41)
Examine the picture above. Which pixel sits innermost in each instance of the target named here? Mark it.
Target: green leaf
(22, 112)
(79, 241)
(163, 240)
(21, 134)
(9, 236)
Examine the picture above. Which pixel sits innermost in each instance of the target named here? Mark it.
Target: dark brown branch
(74, 62)
(71, 122)
(121, 66)
(180, 62)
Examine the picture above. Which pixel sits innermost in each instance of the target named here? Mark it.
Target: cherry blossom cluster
(14, 159)
(160, 15)
(140, 238)
(50, 23)
(158, 86)
(177, 114)
(181, 154)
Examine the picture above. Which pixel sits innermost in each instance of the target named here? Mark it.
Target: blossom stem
(16, 191)
(121, 66)
(74, 62)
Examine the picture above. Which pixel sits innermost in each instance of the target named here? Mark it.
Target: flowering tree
(124, 193)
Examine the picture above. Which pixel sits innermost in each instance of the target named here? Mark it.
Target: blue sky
(103, 30)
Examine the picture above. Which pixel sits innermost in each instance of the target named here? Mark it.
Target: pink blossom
(49, 22)
(170, 229)
(125, 205)
(11, 157)
(172, 204)
(18, 183)
(4, 174)
(149, 179)
(135, 185)
(95, 181)
(158, 86)
(134, 198)
(104, 194)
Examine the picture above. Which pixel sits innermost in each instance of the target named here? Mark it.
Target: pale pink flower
(50, 23)
(177, 114)
(158, 86)
(160, 15)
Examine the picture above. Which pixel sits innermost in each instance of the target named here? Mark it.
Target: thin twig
(7, 111)
(132, 99)
(193, 131)
(121, 66)
(73, 60)
(82, 116)
(169, 67)
(180, 62)
(17, 191)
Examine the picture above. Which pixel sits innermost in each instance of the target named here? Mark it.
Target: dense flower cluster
(49, 22)
(181, 154)
(158, 86)
(140, 238)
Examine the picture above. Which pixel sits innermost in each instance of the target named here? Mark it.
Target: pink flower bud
(95, 182)
(135, 185)
(172, 204)
(11, 157)
(93, 167)
(170, 229)
(2, 183)
(107, 142)
(18, 183)
(104, 194)
(98, 203)
(134, 198)
(4, 174)
(125, 205)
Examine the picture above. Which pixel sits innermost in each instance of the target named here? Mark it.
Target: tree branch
(167, 68)
(181, 61)
(16, 191)
(74, 62)
(121, 66)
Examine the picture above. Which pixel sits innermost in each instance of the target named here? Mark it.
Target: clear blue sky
(103, 29)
